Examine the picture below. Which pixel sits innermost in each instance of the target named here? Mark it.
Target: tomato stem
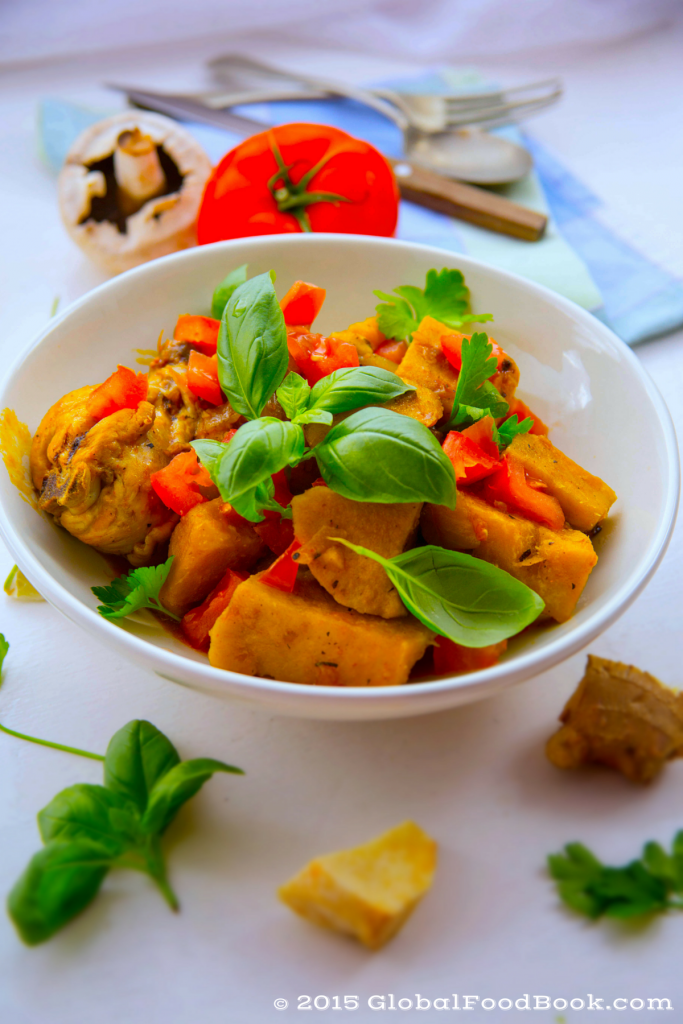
(293, 198)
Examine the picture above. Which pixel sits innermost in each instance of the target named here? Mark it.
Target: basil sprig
(242, 471)
(380, 455)
(87, 830)
(340, 391)
(252, 346)
(460, 597)
(225, 289)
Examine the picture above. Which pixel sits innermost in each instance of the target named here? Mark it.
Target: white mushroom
(130, 189)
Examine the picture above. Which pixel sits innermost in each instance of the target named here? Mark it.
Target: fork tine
(552, 86)
(495, 117)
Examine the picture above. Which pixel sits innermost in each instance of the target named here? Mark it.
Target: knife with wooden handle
(417, 185)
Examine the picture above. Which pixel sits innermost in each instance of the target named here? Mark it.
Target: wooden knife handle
(466, 202)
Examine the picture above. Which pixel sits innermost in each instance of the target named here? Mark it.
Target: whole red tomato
(299, 177)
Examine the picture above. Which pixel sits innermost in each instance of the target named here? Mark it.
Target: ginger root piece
(620, 717)
(367, 892)
(130, 189)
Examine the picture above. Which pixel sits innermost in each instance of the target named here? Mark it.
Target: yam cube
(204, 545)
(353, 580)
(306, 637)
(420, 404)
(367, 892)
(585, 499)
(364, 330)
(554, 563)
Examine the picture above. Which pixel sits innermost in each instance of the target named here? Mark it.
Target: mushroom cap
(164, 224)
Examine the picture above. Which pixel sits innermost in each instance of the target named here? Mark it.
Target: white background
(475, 778)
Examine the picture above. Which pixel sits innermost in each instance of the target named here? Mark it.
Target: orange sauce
(15, 447)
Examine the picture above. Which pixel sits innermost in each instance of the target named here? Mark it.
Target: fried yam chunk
(367, 892)
(554, 563)
(306, 637)
(620, 717)
(353, 580)
(585, 499)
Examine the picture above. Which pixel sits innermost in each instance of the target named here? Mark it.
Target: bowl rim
(522, 666)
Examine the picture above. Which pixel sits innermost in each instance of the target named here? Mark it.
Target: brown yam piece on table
(306, 637)
(424, 363)
(353, 580)
(620, 717)
(585, 499)
(204, 545)
(554, 563)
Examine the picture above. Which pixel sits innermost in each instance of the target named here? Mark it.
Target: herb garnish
(509, 429)
(225, 289)
(340, 391)
(139, 589)
(652, 884)
(460, 597)
(475, 395)
(87, 829)
(444, 297)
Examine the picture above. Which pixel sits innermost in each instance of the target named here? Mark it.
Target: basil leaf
(460, 597)
(258, 449)
(354, 386)
(379, 455)
(225, 289)
(85, 812)
(252, 346)
(59, 882)
(314, 416)
(138, 755)
(178, 786)
(293, 394)
(209, 452)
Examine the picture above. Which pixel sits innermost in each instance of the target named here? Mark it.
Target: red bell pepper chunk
(197, 623)
(392, 350)
(317, 356)
(282, 573)
(202, 378)
(482, 433)
(277, 534)
(178, 484)
(522, 411)
(302, 303)
(200, 331)
(451, 346)
(450, 658)
(122, 390)
(470, 461)
(510, 485)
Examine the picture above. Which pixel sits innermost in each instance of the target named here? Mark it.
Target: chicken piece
(620, 717)
(97, 484)
(585, 499)
(367, 892)
(306, 637)
(176, 410)
(554, 563)
(204, 545)
(353, 580)
(424, 363)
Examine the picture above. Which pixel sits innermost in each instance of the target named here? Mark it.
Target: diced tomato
(277, 534)
(122, 390)
(319, 482)
(451, 346)
(178, 484)
(233, 517)
(317, 356)
(282, 573)
(510, 485)
(450, 657)
(200, 331)
(302, 303)
(392, 350)
(482, 433)
(197, 622)
(227, 438)
(523, 411)
(202, 378)
(470, 461)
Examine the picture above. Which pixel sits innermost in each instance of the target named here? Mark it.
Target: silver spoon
(466, 154)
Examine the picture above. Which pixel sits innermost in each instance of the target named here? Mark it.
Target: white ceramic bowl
(602, 408)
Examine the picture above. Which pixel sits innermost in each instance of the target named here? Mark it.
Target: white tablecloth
(475, 778)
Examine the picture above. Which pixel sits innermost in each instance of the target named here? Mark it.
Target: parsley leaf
(509, 430)
(4, 648)
(139, 589)
(444, 297)
(644, 886)
(474, 391)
